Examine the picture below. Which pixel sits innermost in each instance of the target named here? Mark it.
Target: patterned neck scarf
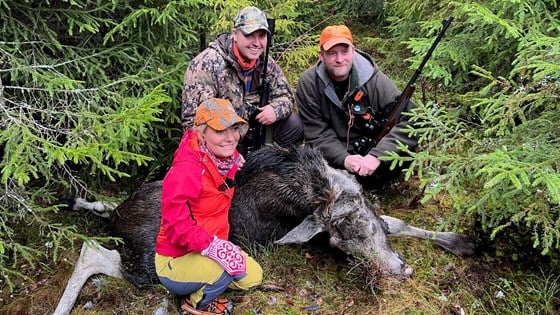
(223, 165)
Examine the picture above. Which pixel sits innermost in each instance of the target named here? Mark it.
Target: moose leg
(99, 208)
(453, 242)
(93, 259)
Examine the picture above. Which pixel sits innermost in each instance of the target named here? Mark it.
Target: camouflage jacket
(215, 72)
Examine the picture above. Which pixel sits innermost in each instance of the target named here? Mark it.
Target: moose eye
(351, 228)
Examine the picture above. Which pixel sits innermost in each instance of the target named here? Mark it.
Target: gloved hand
(227, 255)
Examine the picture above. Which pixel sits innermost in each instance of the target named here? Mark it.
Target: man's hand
(352, 163)
(267, 115)
(361, 165)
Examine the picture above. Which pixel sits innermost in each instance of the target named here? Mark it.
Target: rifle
(363, 145)
(256, 135)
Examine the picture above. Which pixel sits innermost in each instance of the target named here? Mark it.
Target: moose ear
(302, 233)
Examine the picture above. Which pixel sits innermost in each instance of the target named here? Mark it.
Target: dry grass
(315, 279)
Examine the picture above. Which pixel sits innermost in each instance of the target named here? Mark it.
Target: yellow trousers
(202, 278)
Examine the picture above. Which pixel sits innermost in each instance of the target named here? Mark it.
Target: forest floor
(315, 279)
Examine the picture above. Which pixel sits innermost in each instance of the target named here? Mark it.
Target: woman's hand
(240, 161)
(227, 255)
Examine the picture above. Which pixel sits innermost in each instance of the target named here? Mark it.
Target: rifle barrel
(418, 71)
(265, 83)
(399, 104)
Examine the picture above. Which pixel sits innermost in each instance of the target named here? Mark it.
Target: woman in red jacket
(193, 256)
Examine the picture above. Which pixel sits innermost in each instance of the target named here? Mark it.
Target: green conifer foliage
(493, 147)
(85, 90)
(90, 93)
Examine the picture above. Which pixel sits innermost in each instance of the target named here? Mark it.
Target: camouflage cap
(218, 113)
(250, 19)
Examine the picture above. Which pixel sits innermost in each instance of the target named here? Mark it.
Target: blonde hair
(200, 130)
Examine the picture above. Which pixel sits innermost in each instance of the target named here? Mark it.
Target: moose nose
(407, 270)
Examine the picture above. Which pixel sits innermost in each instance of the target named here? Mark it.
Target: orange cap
(218, 113)
(334, 35)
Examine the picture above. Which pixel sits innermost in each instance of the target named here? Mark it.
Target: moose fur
(283, 195)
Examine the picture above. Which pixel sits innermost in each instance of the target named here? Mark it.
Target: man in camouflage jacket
(329, 123)
(231, 68)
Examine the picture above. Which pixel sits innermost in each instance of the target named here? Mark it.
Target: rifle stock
(400, 103)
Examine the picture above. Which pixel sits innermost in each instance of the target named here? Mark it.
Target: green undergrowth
(316, 279)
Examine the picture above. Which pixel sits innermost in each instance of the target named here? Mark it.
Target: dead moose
(283, 196)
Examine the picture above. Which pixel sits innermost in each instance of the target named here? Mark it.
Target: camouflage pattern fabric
(215, 72)
(219, 115)
(250, 19)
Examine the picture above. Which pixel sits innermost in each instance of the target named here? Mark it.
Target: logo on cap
(250, 19)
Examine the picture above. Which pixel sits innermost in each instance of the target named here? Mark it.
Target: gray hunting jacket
(215, 72)
(326, 122)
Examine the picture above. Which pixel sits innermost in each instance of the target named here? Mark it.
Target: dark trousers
(286, 132)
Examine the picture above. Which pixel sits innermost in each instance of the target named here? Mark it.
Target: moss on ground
(316, 279)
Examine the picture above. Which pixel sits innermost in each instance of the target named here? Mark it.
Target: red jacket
(195, 201)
